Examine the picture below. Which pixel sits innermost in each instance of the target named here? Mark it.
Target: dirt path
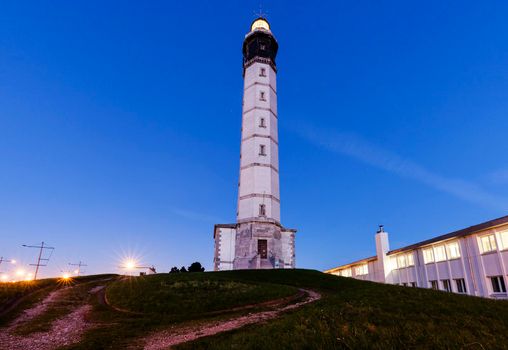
(64, 331)
(167, 338)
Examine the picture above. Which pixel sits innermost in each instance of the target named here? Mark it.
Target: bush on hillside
(196, 267)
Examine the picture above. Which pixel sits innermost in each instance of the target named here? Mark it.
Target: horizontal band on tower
(263, 84)
(259, 164)
(259, 195)
(259, 135)
(259, 60)
(262, 108)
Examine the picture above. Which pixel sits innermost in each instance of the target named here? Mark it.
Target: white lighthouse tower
(257, 240)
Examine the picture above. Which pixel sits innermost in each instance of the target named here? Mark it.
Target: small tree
(183, 269)
(174, 269)
(196, 267)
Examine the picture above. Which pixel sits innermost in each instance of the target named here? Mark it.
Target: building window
(263, 248)
(433, 285)
(446, 285)
(361, 270)
(262, 123)
(488, 243)
(503, 239)
(401, 261)
(262, 210)
(413, 284)
(461, 285)
(404, 284)
(410, 259)
(262, 72)
(262, 96)
(346, 273)
(453, 250)
(262, 151)
(439, 253)
(498, 285)
(428, 255)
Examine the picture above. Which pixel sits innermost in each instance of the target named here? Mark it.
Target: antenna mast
(40, 258)
(79, 266)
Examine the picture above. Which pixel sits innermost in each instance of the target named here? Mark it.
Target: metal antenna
(40, 258)
(260, 13)
(79, 266)
(2, 259)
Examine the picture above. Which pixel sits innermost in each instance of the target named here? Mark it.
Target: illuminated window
(446, 285)
(262, 72)
(453, 250)
(401, 261)
(262, 210)
(498, 285)
(361, 270)
(488, 243)
(428, 255)
(503, 238)
(439, 253)
(410, 259)
(262, 123)
(262, 96)
(346, 273)
(461, 285)
(262, 151)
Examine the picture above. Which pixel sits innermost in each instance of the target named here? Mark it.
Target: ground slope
(276, 309)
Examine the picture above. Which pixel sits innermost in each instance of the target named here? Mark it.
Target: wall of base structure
(236, 246)
(474, 264)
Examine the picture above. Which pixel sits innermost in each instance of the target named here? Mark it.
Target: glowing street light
(130, 264)
(20, 272)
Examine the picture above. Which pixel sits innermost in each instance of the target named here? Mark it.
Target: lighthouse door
(263, 248)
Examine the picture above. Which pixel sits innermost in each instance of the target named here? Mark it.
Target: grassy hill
(350, 315)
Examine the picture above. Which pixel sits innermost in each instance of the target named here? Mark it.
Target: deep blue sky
(120, 125)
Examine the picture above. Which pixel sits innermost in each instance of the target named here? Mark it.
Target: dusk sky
(120, 125)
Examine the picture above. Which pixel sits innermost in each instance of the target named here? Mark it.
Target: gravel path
(167, 338)
(64, 331)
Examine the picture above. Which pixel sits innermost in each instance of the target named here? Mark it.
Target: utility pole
(40, 258)
(2, 259)
(79, 266)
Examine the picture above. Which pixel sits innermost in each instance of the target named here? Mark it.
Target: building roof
(366, 260)
(460, 233)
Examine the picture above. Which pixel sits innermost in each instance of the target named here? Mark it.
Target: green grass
(351, 315)
(190, 293)
(358, 315)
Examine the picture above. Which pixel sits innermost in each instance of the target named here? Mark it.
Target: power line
(79, 266)
(40, 258)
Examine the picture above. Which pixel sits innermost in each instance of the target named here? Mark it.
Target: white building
(257, 239)
(470, 261)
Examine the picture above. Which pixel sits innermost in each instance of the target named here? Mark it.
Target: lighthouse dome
(260, 24)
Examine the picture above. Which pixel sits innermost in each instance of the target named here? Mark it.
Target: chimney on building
(383, 261)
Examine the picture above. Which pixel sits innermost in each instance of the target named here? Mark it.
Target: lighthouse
(257, 240)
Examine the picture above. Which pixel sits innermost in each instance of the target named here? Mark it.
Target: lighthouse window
(262, 123)
(262, 72)
(262, 210)
(262, 150)
(262, 96)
